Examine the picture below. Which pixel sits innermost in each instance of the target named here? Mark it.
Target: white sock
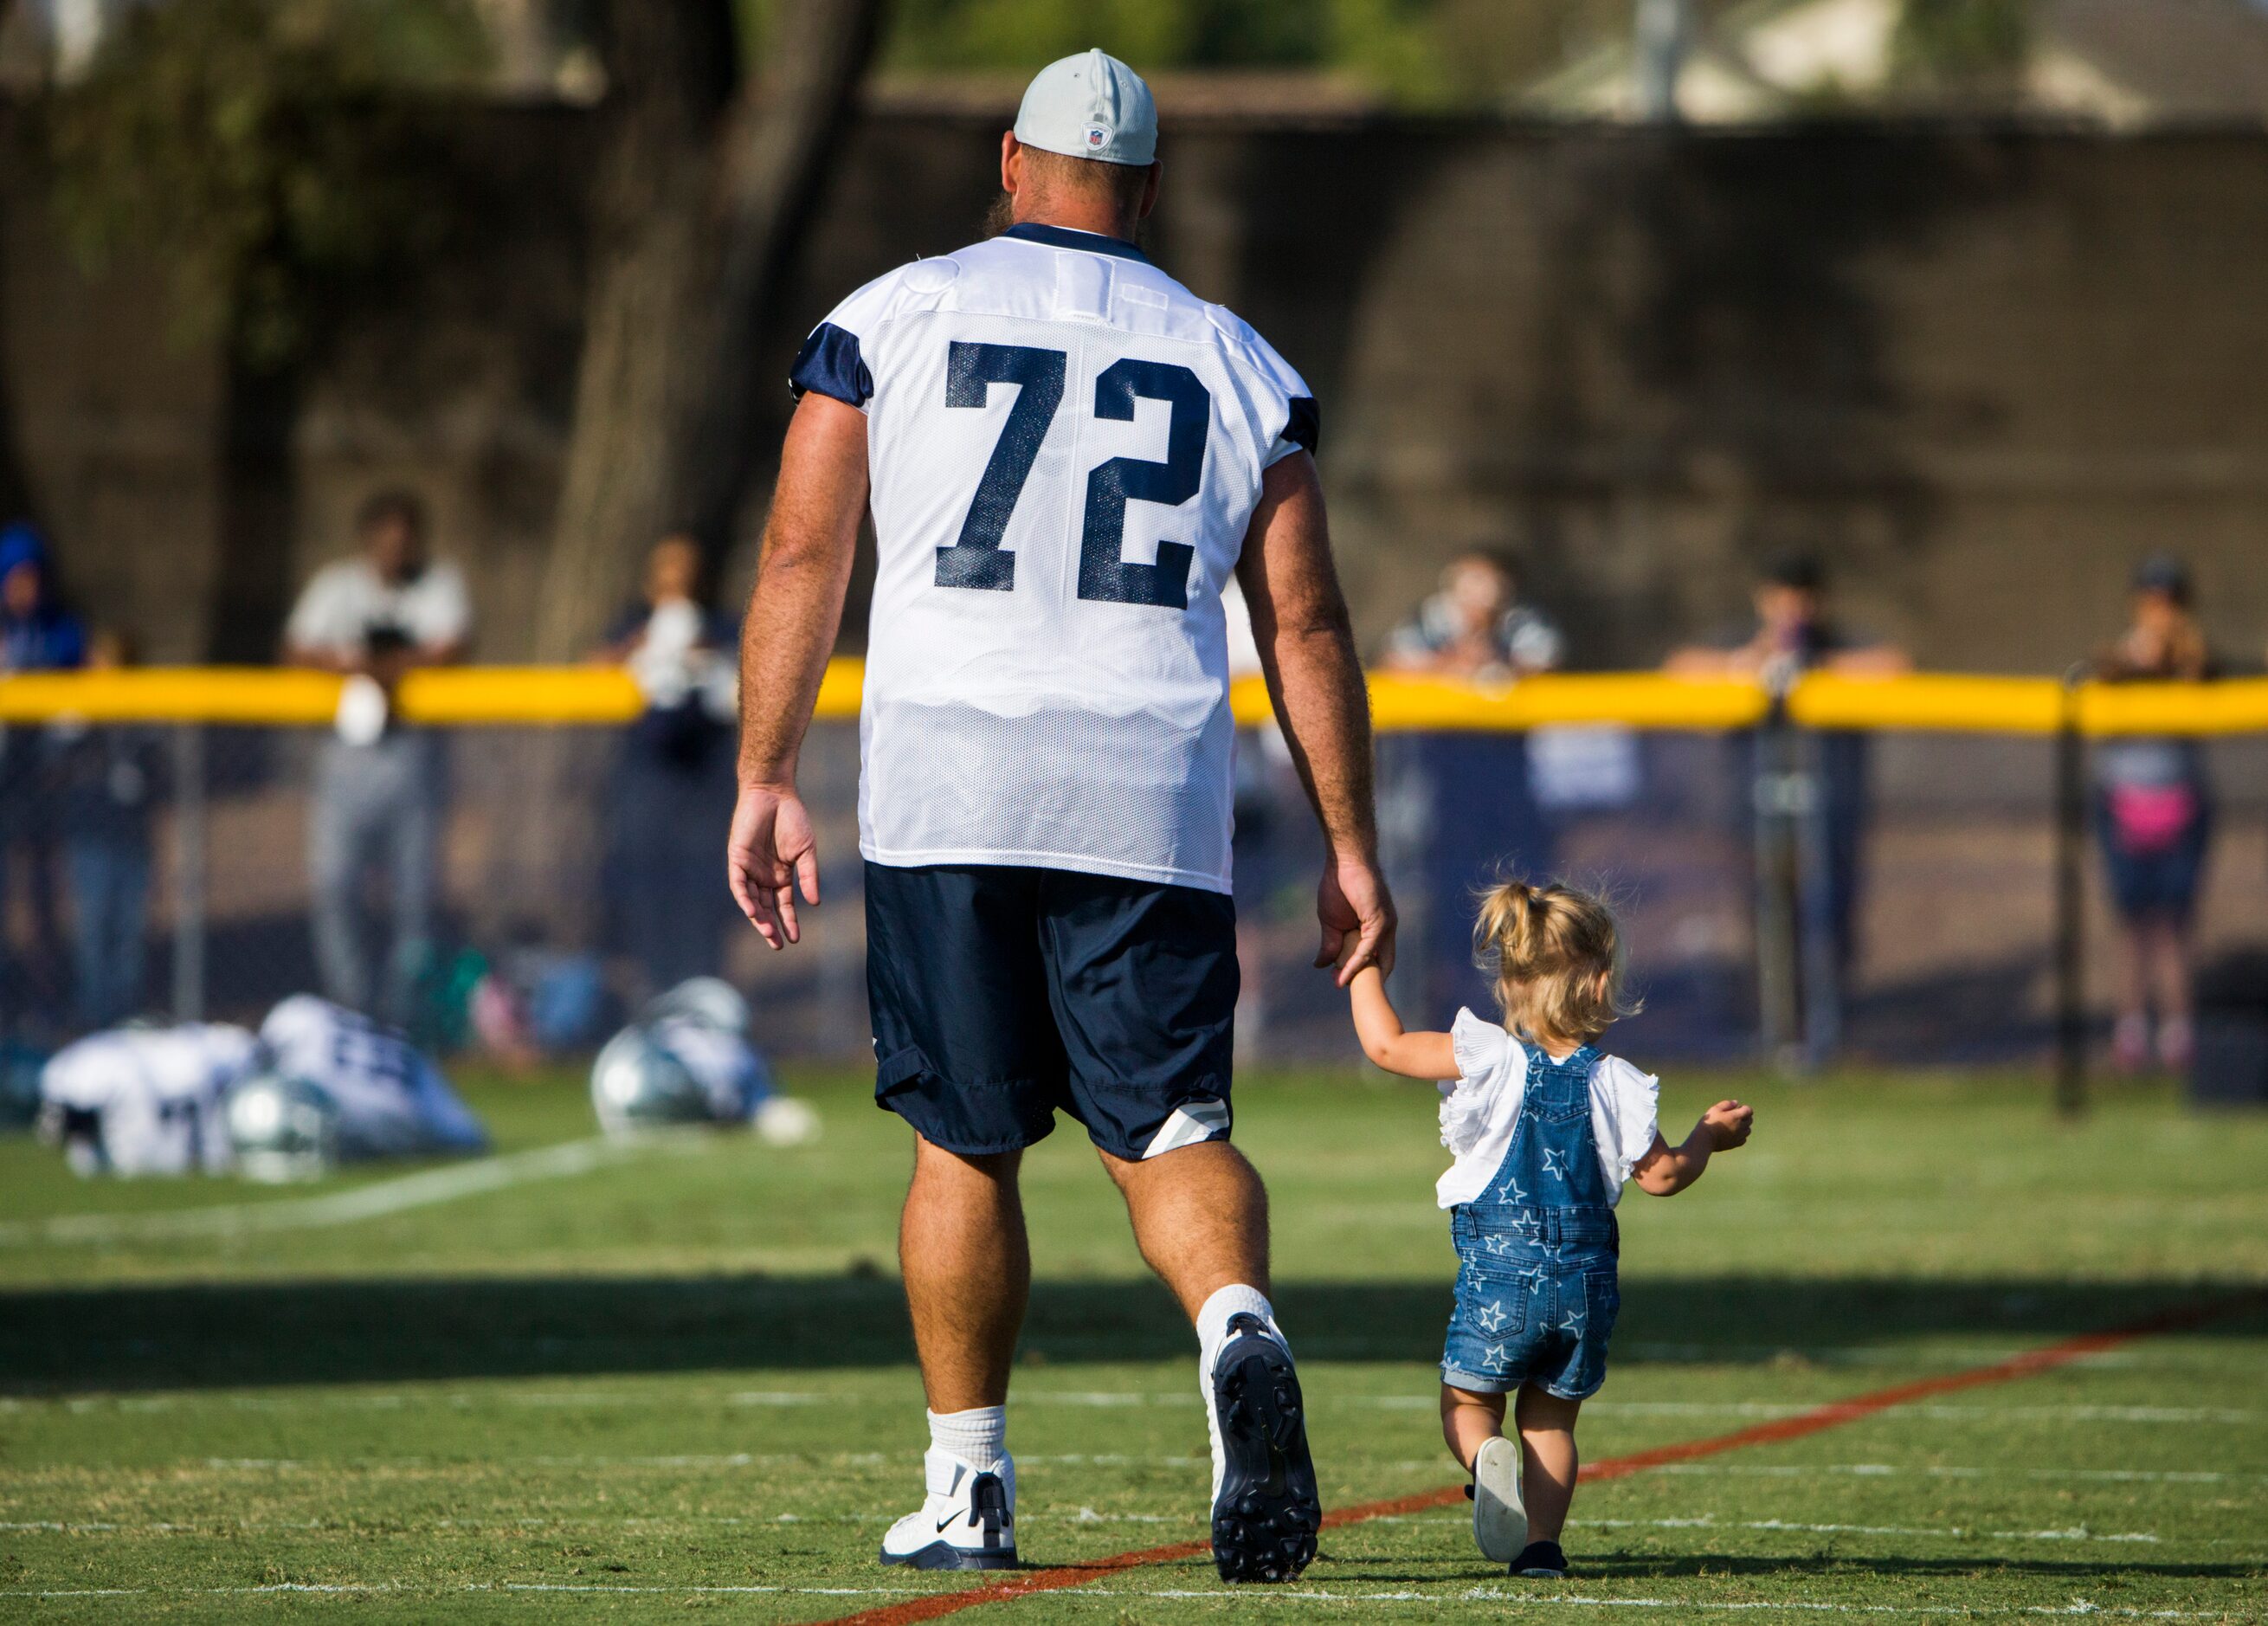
(978, 1437)
(1213, 1332)
(1212, 1321)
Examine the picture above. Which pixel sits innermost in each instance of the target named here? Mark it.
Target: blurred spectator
(1482, 820)
(2154, 817)
(1791, 633)
(378, 785)
(671, 797)
(104, 781)
(1794, 633)
(1476, 626)
(37, 634)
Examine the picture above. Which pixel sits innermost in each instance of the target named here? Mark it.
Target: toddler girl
(1545, 1130)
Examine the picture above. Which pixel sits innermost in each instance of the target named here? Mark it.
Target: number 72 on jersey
(977, 559)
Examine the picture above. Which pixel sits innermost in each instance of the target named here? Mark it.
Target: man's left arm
(794, 610)
(1307, 650)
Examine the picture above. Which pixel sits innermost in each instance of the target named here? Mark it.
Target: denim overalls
(1536, 1288)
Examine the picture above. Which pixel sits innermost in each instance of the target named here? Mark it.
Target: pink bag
(2150, 819)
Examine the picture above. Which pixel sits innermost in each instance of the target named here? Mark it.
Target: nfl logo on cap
(1090, 106)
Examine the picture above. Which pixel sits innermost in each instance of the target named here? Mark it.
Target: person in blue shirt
(37, 634)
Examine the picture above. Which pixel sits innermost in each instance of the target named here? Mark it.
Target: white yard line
(1489, 1595)
(389, 1399)
(1935, 1470)
(1078, 1516)
(2080, 1608)
(420, 1190)
(1936, 1413)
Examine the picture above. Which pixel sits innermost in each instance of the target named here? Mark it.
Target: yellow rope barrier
(540, 696)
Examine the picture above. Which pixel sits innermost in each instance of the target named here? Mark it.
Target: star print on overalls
(1496, 1355)
(1499, 1245)
(1573, 1325)
(1555, 1163)
(1511, 1194)
(1492, 1318)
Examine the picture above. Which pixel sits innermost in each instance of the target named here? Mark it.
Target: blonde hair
(1557, 958)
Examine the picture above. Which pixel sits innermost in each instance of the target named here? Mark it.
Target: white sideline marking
(420, 1190)
(1933, 1412)
(1753, 1409)
(1872, 1354)
(1955, 1531)
(1486, 1594)
(1882, 1470)
(360, 1588)
(1941, 1532)
(1477, 1594)
(1078, 1516)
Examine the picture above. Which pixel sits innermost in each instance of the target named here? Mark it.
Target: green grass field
(628, 1386)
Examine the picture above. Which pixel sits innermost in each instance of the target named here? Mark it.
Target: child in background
(1545, 1130)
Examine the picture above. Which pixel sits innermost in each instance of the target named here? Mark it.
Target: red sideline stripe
(1834, 1414)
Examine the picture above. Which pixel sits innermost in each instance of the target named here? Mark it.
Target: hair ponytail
(1556, 957)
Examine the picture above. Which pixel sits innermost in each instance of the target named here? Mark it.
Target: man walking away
(377, 617)
(1067, 455)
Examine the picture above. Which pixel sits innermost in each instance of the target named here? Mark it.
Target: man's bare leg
(967, 1272)
(1200, 1218)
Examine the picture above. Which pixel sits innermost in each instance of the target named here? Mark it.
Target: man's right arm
(1306, 652)
(794, 610)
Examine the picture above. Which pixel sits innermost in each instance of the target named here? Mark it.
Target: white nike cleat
(1500, 1518)
(968, 1521)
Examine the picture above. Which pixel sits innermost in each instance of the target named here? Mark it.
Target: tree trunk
(648, 313)
(779, 146)
(251, 592)
(700, 198)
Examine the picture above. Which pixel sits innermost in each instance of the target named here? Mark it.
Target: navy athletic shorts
(1000, 993)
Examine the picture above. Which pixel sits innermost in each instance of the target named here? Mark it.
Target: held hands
(772, 849)
(1727, 1125)
(1358, 919)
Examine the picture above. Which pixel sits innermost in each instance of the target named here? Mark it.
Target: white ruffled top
(1481, 1105)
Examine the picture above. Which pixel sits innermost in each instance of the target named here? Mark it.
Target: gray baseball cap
(1090, 106)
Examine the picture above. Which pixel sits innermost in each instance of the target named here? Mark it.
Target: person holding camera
(375, 618)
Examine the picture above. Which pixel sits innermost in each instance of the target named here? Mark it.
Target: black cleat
(1265, 1518)
(1542, 1561)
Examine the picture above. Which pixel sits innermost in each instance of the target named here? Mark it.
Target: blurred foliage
(1417, 53)
(256, 149)
(1960, 44)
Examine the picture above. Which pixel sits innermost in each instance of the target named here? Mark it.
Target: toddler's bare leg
(1468, 1419)
(1549, 1459)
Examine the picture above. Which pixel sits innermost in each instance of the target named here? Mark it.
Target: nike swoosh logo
(950, 1519)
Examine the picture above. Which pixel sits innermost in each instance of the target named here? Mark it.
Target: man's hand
(1358, 918)
(771, 850)
(1729, 1123)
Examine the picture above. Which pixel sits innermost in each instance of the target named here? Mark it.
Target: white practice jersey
(1065, 448)
(153, 1095)
(393, 1102)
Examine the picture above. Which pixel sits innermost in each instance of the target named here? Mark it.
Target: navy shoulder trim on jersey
(1306, 426)
(1064, 237)
(830, 364)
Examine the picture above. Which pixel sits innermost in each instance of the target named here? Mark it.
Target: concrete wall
(1983, 371)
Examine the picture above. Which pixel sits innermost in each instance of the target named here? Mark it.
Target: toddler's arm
(1668, 1170)
(1413, 1055)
